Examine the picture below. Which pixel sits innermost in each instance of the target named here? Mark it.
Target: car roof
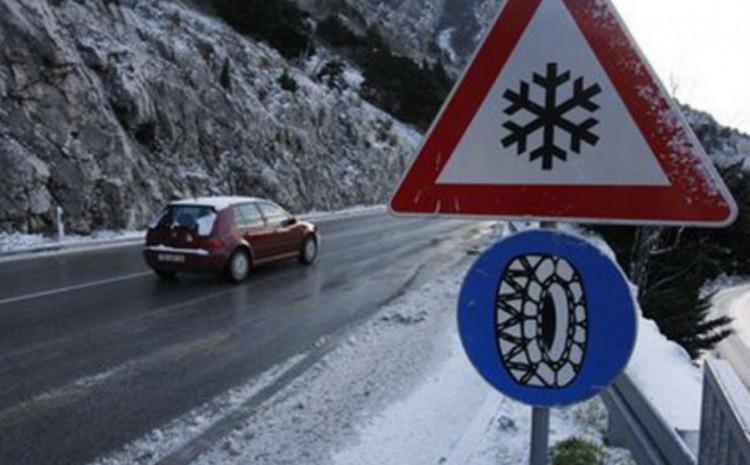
(217, 203)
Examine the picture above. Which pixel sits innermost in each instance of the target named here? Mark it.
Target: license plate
(171, 258)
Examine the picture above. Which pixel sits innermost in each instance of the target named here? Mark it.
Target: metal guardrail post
(59, 223)
(725, 423)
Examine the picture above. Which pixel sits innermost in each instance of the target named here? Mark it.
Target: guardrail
(725, 423)
(635, 425)
(725, 429)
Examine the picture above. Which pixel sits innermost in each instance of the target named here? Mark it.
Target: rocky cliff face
(449, 30)
(109, 108)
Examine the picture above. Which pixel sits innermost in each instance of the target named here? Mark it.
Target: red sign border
(697, 196)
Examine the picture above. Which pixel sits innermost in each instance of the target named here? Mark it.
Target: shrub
(288, 83)
(332, 74)
(333, 31)
(278, 22)
(410, 91)
(576, 451)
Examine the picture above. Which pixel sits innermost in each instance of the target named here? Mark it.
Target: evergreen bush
(577, 451)
(278, 22)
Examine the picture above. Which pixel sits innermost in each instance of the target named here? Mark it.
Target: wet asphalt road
(96, 352)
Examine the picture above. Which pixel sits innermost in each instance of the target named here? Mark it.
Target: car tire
(309, 251)
(166, 275)
(239, 266)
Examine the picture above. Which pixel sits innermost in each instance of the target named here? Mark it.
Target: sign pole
(540, 435)
(540, 415)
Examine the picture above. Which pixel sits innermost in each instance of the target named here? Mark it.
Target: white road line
(77, 287)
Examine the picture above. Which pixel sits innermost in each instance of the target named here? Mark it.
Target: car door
(286, 235)
(255, 230)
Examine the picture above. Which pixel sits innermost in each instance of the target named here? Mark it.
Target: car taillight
(214, 244)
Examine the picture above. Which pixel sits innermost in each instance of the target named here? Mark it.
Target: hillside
(111, 108)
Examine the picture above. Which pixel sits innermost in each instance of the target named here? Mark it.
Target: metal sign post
(540, 436)
(540, 416)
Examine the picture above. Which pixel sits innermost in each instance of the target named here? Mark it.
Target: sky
(700, 49)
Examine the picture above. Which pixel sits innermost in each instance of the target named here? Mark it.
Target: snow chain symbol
(551, 116)
(542, 321)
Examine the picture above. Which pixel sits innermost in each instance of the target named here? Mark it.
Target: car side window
(248, 216)
(274, 214)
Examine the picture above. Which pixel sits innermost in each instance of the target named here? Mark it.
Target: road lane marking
(81, 388)
(152, 313)
(77, 287)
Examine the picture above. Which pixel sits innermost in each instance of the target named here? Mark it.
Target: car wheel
(309, 251)
(239, 266)
(166, 275)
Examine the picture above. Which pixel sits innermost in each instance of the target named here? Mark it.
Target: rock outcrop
(110, 108)
(445, 30)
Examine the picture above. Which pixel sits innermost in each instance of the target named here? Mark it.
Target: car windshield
(191, 217)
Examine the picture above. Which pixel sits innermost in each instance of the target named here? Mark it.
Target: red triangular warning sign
(560, 117)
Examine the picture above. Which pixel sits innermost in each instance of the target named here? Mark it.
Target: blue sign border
(611, 320)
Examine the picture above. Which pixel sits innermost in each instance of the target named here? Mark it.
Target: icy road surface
(95, 352)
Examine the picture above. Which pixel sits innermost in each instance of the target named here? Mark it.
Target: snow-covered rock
(111, 108)
(448, 30)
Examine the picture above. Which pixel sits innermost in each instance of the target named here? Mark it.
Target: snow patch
(399, 390)
(16, 242)
(445, 42)
(667, 377)
(161, 442)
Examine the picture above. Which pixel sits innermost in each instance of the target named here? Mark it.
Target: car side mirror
(291, 221)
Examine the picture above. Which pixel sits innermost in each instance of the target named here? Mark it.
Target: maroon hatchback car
(228, 235)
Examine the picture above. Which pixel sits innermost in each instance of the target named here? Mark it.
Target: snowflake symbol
(551, 116)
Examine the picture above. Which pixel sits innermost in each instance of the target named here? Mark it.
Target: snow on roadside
(723, 283)
(358, 210)
(160, 442)
(665, 374)
(740, 312)
(17, 242)
(399, 391)
(734, 302)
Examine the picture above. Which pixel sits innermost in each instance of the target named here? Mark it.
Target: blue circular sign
(547, 319)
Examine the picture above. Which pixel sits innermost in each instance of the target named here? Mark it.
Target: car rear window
(186, 216)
